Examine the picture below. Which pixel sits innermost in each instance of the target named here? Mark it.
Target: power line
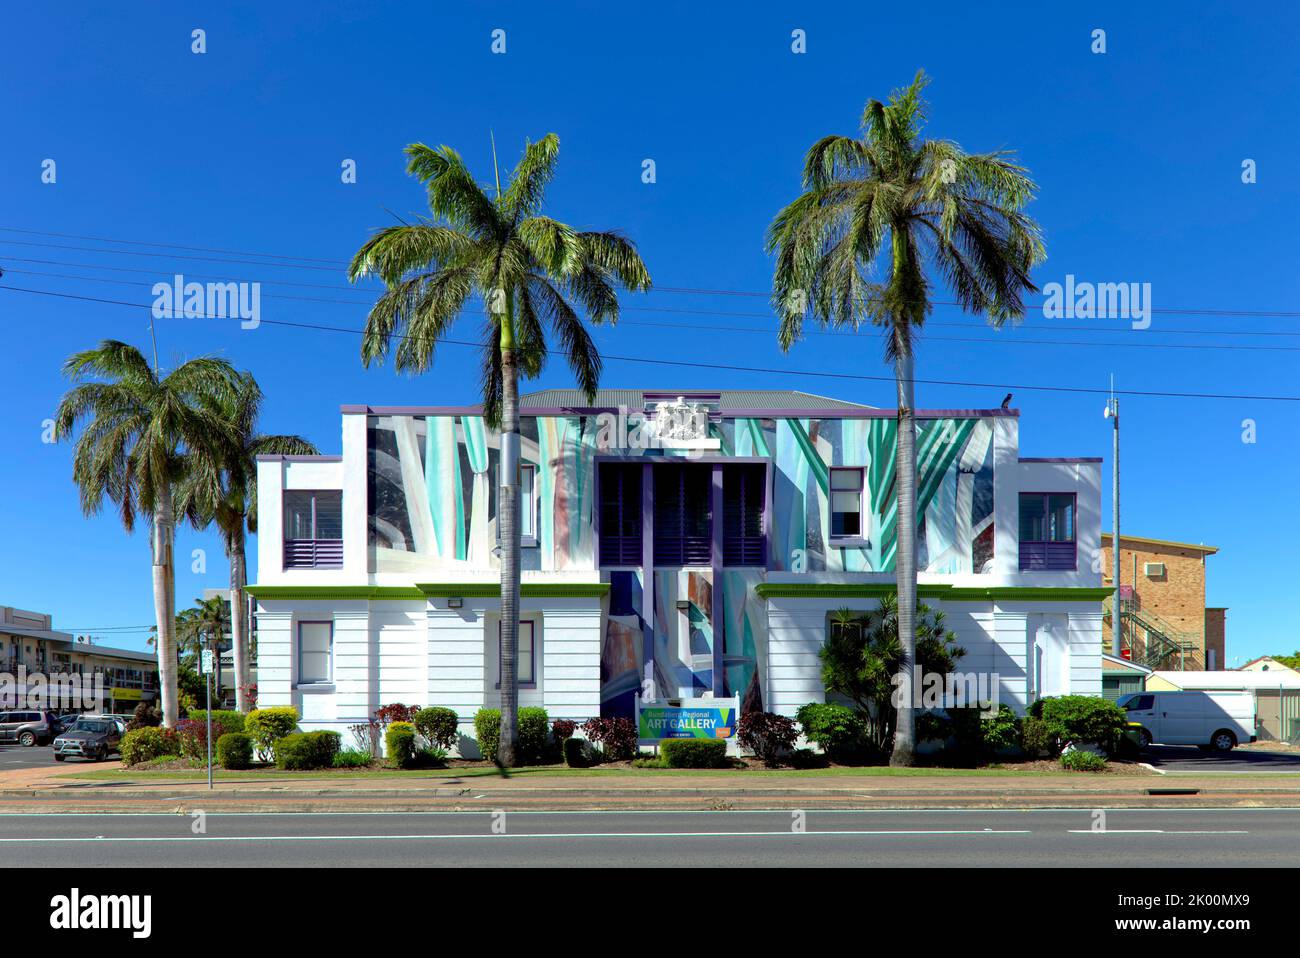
(768, 371)
(695, 291)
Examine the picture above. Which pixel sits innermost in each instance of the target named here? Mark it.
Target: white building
(704, 550)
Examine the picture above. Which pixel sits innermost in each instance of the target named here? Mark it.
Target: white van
(1217, 720)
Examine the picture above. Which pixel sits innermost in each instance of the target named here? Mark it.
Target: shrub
(367, 737)
(807, 758)
(145, 716)
(1082, 718)
(694, 752)
(534, 725)
(266, 726)
(146, 744)
(487, 732)
(980, 735)
(836, 729)
(933, 727)
(562, 730)
(399, 744)
(304, 750)
(430, 757)
(617, 737)
(1077, 760)
(352, 758)
(192, 737)
(767, 734)
(1037, 737)
(437, 725)
(234, 750)
(577, 753)
(397, 712)
(223, 720)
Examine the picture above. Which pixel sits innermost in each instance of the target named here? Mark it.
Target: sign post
(205, 666)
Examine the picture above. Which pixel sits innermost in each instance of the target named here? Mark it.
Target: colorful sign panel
(703, 718)
(125, 695)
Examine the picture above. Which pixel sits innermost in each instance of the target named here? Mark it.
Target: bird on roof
(1006, 403)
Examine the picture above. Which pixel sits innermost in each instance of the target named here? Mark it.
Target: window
(683, 515)
(1047, 534)
(528, 504)
(525, 664)
(1140, 703)
(313, 529)
(315, 644)
(846, 503)
(744, 495)
(620, 513)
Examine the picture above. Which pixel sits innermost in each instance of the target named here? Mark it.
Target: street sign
(205, 662)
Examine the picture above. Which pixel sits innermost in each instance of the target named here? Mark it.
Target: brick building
(1166, 620)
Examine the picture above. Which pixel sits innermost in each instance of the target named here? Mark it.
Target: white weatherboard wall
(998, 638)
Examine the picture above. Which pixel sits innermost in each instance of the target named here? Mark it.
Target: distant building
(27, 641)
(1166, 622)
(1277, 694)
(1266, 663)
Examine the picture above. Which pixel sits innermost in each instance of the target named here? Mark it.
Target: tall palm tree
(208, 622)
(235, 511)
(892, 201)
(142, 433)
(528, 270)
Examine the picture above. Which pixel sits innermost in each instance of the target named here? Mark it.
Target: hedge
(438, 725)
(223, 720)
(146, 744)
(694, 752)
(487, 732)
(267, 726)
(305, 750)
(234, 750)
(399, 744)
(534, 728)
(577, 753)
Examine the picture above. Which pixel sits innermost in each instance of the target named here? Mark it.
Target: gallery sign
(693, 718)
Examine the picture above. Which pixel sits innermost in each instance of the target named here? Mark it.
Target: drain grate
(1173, 791)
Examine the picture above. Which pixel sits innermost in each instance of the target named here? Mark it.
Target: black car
(91, 736)
(28, 727)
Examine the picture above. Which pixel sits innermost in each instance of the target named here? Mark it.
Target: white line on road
(531, 835)
(1153, 831)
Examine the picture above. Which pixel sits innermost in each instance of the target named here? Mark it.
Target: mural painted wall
(432, 490)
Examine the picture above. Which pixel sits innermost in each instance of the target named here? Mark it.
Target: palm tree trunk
(164, 603)
(507, 752)
(238, 621)
(905, 554)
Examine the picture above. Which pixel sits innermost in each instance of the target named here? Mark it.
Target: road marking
(529, 835)
(1154, 831)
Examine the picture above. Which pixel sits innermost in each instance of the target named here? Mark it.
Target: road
(1189, 758)
(15, 756)
(1133, 838)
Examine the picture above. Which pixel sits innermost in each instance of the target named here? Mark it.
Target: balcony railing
(1048, 556)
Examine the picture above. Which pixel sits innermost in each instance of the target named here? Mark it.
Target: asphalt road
(15, 756)
(1189, 758)
(976, 838)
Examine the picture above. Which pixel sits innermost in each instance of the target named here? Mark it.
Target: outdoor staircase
(1151, 641)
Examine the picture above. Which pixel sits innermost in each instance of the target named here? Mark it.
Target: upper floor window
(1047, 532)
(313, 529)
(846, 502)
(620, 513)
(744, 495)
(683, 514)
(528, 504)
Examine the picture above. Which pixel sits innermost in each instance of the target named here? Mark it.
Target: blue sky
(1138, 153)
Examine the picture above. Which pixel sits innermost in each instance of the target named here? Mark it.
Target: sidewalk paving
(45, 790)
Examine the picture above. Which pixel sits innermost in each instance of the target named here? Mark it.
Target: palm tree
(142, 433)
(235, 512)
(528, 270)
(893, 201)
(207, 622)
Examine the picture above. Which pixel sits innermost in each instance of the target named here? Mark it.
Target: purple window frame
(1050, 555)
(298, 680)
(830, 501)
(313, 552)
(532, 646)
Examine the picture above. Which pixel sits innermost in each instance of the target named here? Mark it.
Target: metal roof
(726, 398)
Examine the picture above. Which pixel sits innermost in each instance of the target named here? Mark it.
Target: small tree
(863, 654)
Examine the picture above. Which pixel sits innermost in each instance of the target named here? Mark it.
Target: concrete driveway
(1189, 758)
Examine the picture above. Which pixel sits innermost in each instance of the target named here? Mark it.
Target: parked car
(28, 727)
(91, 736)
(1212, 720)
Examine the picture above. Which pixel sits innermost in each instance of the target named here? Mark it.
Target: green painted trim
(949, 593)
(380, 592)
(423, 590)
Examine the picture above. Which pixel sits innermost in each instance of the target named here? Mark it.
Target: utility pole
(1112, 413)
